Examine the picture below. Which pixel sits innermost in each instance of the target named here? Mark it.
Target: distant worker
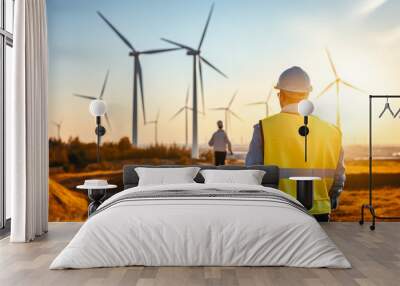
(276, 141)
(219, 140)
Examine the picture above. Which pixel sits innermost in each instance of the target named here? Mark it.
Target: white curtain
(27, 146)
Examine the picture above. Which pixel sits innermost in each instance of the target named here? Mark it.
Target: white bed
(186, 230)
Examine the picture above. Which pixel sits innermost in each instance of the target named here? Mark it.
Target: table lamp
(305, 108)
(98, 108)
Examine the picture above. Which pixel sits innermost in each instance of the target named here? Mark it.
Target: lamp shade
(305, 107)
(97, 107)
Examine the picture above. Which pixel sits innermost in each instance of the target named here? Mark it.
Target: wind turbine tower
(185, 109)
(58, 126)
(155, 122)
(198, 59)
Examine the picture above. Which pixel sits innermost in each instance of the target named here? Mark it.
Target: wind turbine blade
(84, 96)
(104, 85)
(234, 114)
(140, 74)
(202, 86)
(191, 109)
(218, 108)
(157, 51)
(107, 120)
(55, 123)
(177, 44)
(352, 86)
(213, 67)
(232, 99)
(125, 40)
(257, 103)
(206, 26)
(271, 92)
(326, 89)
(397, 113)
(331, 63)
(177, 113)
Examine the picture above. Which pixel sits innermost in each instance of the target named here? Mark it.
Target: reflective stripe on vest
(284, 147)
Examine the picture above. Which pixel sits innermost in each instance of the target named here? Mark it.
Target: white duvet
(200, 231)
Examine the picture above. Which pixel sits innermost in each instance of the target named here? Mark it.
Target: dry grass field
(386, 191)
(386, 202)
(69, 204)
(65, 204)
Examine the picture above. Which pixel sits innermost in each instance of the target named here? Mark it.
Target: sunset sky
(251, 41)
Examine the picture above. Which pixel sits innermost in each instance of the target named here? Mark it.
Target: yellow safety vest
(284, 147)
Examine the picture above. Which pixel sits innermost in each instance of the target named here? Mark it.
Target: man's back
(276, 140)
(284, 147)
(219, 141)
(324, 140)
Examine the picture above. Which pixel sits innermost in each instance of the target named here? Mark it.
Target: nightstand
(96, 195)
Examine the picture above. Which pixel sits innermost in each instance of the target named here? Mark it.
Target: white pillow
(248, 177)
(166, 176)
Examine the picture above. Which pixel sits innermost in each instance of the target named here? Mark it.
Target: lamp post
(305, 185)
(305, 108)
(98, 108)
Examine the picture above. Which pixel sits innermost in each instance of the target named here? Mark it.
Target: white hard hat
(294, 79)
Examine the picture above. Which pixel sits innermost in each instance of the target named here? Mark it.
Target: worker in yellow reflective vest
(276, 141)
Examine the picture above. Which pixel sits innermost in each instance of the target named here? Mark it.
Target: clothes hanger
(397, 113)
(387, 107)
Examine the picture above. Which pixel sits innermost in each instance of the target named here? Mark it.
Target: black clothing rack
(370, 206)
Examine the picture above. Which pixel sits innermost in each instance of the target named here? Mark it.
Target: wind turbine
(137, 76)
(337, 82)
(266, 103)
(197, 60)
(155, 122)
(228, 111)
(99, 97)
(58, 125)
(185, 109)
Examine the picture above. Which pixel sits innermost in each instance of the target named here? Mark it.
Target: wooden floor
(375, 257)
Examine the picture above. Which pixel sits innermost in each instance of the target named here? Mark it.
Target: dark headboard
(271, 177)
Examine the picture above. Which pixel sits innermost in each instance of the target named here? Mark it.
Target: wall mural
(167, 71)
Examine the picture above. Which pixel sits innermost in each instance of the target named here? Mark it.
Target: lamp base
(96, 197)
(305, 193)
